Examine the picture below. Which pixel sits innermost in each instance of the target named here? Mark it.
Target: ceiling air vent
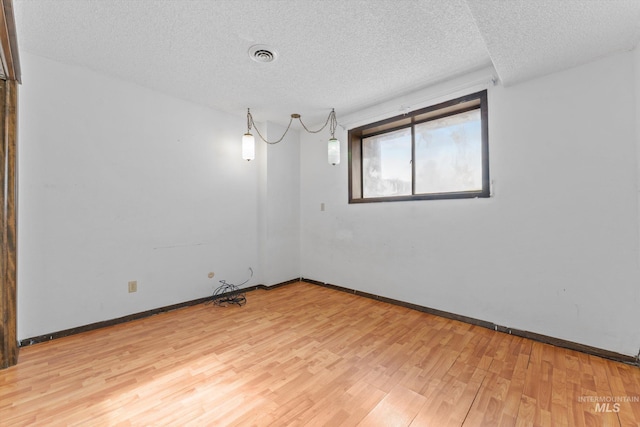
(262, 53)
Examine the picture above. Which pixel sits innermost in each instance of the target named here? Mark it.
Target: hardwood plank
(308, 355)
(398, 408)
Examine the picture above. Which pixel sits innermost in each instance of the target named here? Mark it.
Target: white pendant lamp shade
(333, 151)
(248, 147)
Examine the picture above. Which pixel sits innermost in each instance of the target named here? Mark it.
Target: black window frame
(477, 100)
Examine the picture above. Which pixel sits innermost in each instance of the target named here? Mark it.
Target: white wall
(555, 251)
(121, 183)
(279, 214)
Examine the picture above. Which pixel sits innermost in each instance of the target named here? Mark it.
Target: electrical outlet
(133, 286)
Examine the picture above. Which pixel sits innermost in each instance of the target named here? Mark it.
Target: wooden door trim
(9, 43)
(10, 77)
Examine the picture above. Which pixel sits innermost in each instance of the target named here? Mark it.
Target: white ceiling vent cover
(262, 53)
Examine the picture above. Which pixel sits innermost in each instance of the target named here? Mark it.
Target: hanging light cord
(331, 120)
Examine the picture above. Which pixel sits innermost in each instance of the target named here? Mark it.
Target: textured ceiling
(529, 38)
(346, 54)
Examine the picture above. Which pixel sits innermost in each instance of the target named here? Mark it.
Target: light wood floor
(306, 355)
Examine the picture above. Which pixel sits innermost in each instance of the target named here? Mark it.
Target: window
(439, 152)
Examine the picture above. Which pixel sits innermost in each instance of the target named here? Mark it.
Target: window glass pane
(386, 164)
(449, 154)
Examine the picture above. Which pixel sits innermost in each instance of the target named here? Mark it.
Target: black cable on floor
(228, 293)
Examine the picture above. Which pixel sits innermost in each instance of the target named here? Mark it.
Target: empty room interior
(289, 212)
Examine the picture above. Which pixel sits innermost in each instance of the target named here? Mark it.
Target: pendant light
(333, 146)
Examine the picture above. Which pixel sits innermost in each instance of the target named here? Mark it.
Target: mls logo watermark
(607, 407)
(608, 404)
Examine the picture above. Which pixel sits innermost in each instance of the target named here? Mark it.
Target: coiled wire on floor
(228, 293)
